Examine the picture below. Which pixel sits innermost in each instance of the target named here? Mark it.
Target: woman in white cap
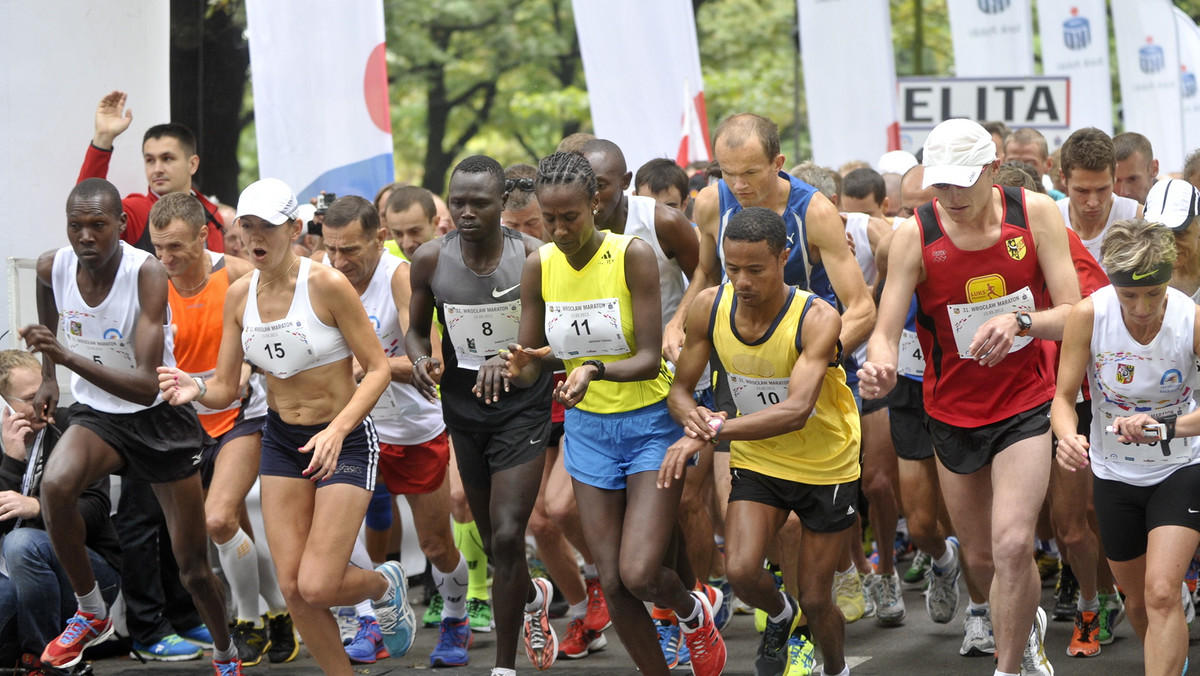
(301, 322)
(1137, 341)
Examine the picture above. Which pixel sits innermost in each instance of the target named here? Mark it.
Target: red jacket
(137, 207)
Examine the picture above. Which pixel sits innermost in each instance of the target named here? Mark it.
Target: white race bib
(479, 331)
(585, 329)
(1141, 454)
(912, 359)
(387, 408)
(966, 318)
(280, 348)
(754, 394)
(114, 352)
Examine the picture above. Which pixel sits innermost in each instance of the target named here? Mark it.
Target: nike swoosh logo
(534, 441)
(1137, 277)
(1193, 511)
(496, 293)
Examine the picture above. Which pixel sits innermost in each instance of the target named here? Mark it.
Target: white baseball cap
(269, 199)
(956, 152)
(895, 162)
(1174, 203)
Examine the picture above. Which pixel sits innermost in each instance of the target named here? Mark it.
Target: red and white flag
(693, 138)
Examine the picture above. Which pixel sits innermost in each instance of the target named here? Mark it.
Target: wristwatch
(599, 367)
(1024, 324)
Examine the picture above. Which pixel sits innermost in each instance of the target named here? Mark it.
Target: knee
(542, 525)
(438, 548)
(1163, 595)
(815, 600)
(741, 571)
(922, 525)
(507, 542)
(316, 592)
(1074, 535)
(561, 508)
(878, 488)
(221, 525)
(27, 547)
(642, 579)
(1012, 550)
(58, 491)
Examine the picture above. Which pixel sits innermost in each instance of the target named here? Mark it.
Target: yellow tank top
(589, 315)
(826, 451)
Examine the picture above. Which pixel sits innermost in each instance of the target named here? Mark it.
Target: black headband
(1160, 274)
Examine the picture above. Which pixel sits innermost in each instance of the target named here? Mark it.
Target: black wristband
(1169, 423)
(599, 367)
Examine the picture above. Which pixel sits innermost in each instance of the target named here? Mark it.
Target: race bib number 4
(479, 331)
(966, 318)
(912, 360)
(585, 329)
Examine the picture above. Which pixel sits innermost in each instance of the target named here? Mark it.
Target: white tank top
(856, 227)
(103, 333)
(671, 280)
(1127, 377)
(1122, 209)
(402, 416)
(298, 342)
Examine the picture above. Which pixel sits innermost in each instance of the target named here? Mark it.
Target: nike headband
(1160, 274)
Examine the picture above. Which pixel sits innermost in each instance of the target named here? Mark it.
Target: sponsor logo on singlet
(986, 287)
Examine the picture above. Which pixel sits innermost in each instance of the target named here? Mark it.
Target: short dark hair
(661, 174)
(757, 224)
(178, 205)
(481, 164)
(1019, 175)
(346, 210)
(97, 187)
(1026, 135)
(996, 129)
(1089, 149)
(380, 206)
(403, 197)
(740, 127)
(566, 169)
(1132, 142)
(863, 183)
(520, 170)
(175, 130)
(1191, 167)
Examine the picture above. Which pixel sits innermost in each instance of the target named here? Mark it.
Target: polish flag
(693, 138)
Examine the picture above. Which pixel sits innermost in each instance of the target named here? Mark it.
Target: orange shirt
(198, 322)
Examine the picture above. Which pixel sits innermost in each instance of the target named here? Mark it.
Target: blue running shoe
(198, 635)
(454, 637)
(367, 646)
(725, 613)
(171, 649)
(671, 641)
(396, 618)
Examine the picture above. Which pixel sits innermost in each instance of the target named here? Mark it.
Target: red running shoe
(597, 618)
(231, 668)
(82, 631)
(703, 640)
(580, 641)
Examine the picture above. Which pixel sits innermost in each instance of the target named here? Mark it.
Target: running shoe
(978, 640)
(284, 646)
(1034, 661)
(1048, 566)
(889, 602)
(771, 659)
(397, 621)
(941, 599)
(581, 642)
(171, 648)
(200, 635)
(367, 646)
(870, 587)
(704, 642)
(848, 594)
(433, 613)
(479, 612)
(724, 614)
(347, 621)
(597, 618)
(903, 548)
(1112, 611)
(1066, 596)
(915, 576)
(454, 637)
(801, 657)
(716, 598)
(82, 631)
(541, 643)
(1085, 639)
(1189, 605)
(232, 667)
(251, 642)
(670, 640)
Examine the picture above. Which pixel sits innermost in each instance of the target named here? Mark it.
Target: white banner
(320, 95)
(1075, 44)
(849, 81)
(1188, 34)
(1148, 62)
(991, 37)
(642, 63)
(63, 57)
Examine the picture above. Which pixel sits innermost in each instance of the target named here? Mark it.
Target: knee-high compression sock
(268, 582)
(240, 563)
(453, 588)
(470, 543)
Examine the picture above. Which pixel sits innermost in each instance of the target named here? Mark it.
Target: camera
(324, 201)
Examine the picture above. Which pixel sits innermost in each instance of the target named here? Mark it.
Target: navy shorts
(357, 463)
(602, 449)
(241, 428)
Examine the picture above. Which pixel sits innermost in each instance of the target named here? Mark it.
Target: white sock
(225, 655)
(240, 564)
(364, 609)
(497, 671)
(1091, 605)
(590, 572)
(453, 588)
(695, 613)
(946, 559)
(978, 608)
(268, 583)
(538, 599)
(787, 611)
(844, 672)
(578, 610)
(359, 556)
(93, 603)
(1005, 673)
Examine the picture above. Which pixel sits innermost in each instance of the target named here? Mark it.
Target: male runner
(1137, 168)
(1088, 170)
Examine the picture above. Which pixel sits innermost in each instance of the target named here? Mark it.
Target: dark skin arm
(138, 385)
(818, 336)
(707, 272)
(420, 320)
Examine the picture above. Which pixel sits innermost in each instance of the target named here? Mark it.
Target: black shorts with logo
(160, 444)
(480, 454)
(1127, 513)
(964, 450)
(822, 509)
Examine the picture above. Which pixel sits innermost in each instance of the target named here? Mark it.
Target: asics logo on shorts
(348, 469)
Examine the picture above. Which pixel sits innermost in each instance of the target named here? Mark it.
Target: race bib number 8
(479, 331)
(585, 329)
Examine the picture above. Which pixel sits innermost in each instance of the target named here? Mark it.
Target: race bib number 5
(115, 353)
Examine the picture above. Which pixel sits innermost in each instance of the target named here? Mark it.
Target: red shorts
(420, 468)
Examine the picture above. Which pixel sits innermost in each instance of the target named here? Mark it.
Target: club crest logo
(1151, 57)
(1077, 31)
(1015, 247)
(1124, 373)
